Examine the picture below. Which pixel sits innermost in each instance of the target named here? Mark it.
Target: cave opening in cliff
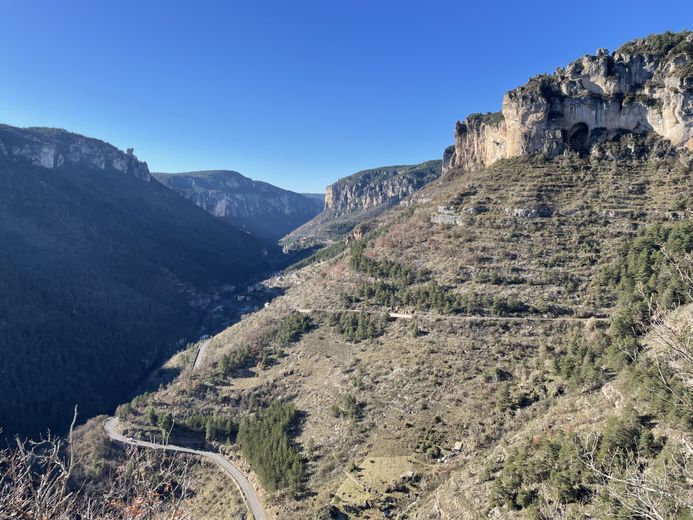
(577, 137)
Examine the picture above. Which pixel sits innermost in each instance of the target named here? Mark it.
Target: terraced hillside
(475, 328)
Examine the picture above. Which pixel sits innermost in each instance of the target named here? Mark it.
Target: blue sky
(296, 93)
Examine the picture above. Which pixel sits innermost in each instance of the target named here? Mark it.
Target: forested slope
(98, 269)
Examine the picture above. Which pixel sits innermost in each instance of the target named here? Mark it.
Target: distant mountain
(359, 197)
(316, 196)
(257, 207)
(101, 267)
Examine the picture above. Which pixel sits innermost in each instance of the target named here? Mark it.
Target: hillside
(504, 272)
(360, 197)
(102, 270)
(257, 207)
(483, 352)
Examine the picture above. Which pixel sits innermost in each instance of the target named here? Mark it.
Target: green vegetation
(489, 118)
(667, 45)
(322, 255)
(92, 267)
(642, 271)
(559, 470)
(661, 44)
(359, 326)
(586, 363)
(669, 397)
(604, 468)
(430, 442)
(640, 276)
(264, 441)
(347, 406)
(383, 269)
(287, 331)
(291, 328)
(236, 360)
(509, 400)
(555, 461)
(397, 286)
(216, 427)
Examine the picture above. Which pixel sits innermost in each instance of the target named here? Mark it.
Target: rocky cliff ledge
(372, 188)
(257, 207)
(352, 201)
(645, 86)
(55, 148)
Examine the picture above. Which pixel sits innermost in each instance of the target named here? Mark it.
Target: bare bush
(657, 492)
(35, 482)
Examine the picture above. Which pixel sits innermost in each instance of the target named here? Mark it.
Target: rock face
(645, 86)
(360, 197)
(257, 207)
(54, 148)
(372, 188)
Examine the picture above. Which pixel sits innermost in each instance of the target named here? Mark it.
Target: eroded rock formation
(55, 148)
(355, 199)
(373, 188)
(645, 86)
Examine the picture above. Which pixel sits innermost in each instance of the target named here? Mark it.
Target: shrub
(264, 441)
(358, 327)
(239, 358)
(554, 461)
(347, 406)
(291, 327)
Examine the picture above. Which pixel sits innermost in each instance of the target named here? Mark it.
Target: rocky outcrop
(258, 207)
(645, 86)
(54, 148)
(354, 200)
(372, 188)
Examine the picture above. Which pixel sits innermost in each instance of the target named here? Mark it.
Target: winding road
(244, 486)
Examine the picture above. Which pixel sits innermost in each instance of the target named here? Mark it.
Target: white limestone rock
(594, 99)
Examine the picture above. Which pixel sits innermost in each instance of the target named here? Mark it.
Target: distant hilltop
(55, 148)
(362, 196)
(644, 86)
(254, 206)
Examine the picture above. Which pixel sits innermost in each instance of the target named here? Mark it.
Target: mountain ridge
(361, 196)
(255, 206)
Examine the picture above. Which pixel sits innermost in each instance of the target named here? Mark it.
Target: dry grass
(437, 389)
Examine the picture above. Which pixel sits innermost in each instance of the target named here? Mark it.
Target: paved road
(429, 316)
(244, 486)
(200, 354)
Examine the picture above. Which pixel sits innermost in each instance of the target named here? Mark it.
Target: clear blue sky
(296, 93)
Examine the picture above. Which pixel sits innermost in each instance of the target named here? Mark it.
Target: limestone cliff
(644, 86)
(258, 207)
(371, 188)
(360, 197)
(54, 148)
